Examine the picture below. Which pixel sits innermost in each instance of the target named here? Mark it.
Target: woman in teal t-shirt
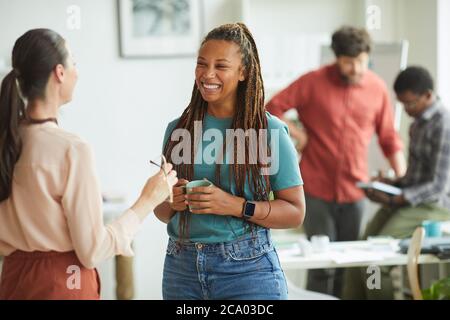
(222, 248)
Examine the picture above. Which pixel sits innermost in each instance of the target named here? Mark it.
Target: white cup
(320, 243)
(305, 247)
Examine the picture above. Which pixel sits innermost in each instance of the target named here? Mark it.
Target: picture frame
(159, 28)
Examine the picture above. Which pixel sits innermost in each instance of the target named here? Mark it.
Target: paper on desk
(292, 250)
(349, 256)
(445, 227)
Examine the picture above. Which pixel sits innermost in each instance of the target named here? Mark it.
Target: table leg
(124, 278)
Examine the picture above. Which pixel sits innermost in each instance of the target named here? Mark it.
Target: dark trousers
(340, 222)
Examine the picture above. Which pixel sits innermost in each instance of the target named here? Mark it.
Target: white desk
(347, 254)
(341, 254)
(364, 253)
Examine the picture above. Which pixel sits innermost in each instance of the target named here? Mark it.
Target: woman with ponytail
(219, 236)
(51, 227)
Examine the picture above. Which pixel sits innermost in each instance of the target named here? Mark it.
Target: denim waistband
(260, 238)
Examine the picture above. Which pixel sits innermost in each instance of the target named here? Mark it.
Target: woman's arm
(165, 211)
(81, 200)
(154, 192)
(286, 211)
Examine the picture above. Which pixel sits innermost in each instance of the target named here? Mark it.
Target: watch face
(249, 210)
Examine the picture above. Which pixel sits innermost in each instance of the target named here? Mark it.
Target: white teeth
(211, 86)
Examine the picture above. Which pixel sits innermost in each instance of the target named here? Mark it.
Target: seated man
(426, 184)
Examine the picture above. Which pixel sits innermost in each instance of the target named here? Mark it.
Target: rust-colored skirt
(47, 276)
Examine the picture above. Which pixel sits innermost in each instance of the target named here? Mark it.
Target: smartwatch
(249, 210)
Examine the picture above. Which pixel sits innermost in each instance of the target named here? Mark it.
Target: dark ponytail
(12, 110)
(35, 55)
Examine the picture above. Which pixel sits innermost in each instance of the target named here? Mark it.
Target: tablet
(380, 186)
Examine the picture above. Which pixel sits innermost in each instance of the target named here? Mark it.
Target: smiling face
(218, 72)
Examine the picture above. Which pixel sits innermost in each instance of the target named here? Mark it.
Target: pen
(165, 174)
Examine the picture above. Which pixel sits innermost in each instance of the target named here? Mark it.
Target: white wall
(290, 33)
(443, 43)
(390, 10)
(413, 20)
(417, 23)
(300, 16)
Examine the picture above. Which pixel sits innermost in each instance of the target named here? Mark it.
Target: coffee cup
(320, 243)
(196, 184)
(432, 228)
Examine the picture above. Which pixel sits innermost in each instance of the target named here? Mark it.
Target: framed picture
(159, 28)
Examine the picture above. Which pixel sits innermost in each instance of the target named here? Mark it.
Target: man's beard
(351, 79)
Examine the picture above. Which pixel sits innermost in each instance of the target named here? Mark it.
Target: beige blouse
(56, 202)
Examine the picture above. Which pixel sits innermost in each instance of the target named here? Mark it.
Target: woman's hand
(179, 203)
(155, 191)
(213, 200)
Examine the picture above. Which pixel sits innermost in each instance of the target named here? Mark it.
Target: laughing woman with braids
(223, 249)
